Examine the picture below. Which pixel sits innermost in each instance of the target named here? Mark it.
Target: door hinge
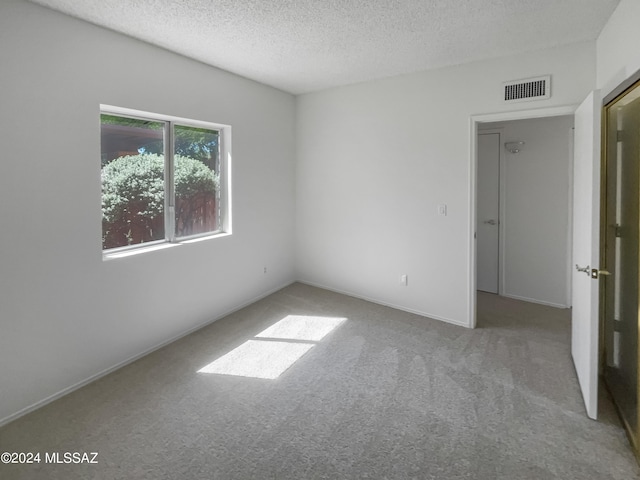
(618, 230)
(619, 135)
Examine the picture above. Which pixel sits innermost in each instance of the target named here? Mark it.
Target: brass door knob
(595, 273)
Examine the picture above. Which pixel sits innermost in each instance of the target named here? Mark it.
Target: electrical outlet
(265, 270)
(442, 209)
(404, 280)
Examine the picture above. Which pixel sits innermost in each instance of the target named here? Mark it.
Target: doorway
(477, 121)
(620, 255)
(524, 209)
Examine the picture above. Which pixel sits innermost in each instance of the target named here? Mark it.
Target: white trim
(532, 300)
(128, 251)
(117, 366)
(385, 304)
(570, 222)
(502, 284)
(152, 116)
(472, 294)
(524, 114)
(474, 120)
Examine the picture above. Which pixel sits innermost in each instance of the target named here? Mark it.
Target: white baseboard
(132, 359)
(386, 304)
(533, 300)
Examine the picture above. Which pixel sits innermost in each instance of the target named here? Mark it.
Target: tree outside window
(160, 181)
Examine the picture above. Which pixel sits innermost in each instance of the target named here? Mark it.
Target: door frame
(606, 100)
(474, 121)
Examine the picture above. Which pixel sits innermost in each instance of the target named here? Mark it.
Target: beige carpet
(326, 386)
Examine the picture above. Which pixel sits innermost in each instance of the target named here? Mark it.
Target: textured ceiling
(306, 45)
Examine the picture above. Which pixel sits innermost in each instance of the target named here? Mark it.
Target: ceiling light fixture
(514, 147)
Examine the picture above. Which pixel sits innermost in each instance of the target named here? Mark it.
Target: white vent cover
(537, 88)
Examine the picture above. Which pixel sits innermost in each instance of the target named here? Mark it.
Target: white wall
(375, 159)
(536, 216)
(618, 55)
(65, 314)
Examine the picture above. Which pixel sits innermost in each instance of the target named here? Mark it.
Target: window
(164, 179)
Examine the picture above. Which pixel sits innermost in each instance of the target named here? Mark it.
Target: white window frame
(223, 203)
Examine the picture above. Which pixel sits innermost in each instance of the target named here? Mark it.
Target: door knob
(490, 222)
(595, 273)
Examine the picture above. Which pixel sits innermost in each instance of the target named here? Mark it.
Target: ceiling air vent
(537, 88)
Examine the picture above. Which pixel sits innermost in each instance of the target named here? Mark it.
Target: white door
(586, 235)
(488, 211)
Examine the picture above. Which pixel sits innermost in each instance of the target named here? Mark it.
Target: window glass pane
(197, 180)
(132, 181)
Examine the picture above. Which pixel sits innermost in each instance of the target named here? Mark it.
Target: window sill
(158, 246)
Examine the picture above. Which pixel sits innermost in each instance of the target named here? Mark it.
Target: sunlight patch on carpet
(258, 359)
(301, 327)
(275, 349)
